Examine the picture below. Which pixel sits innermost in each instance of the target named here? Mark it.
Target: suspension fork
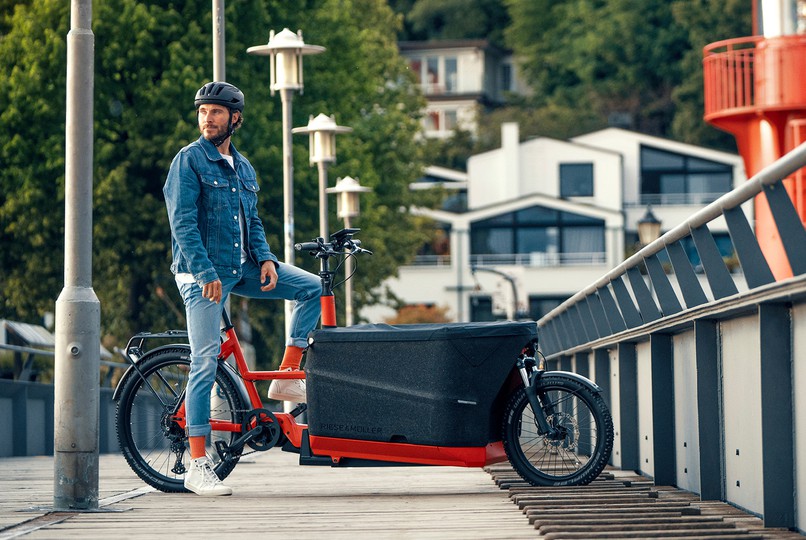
(530, 379)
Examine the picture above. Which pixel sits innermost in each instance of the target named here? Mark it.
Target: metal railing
(621, 299)
(704, 378)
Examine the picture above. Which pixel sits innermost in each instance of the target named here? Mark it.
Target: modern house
(457, 77)
(535, 221)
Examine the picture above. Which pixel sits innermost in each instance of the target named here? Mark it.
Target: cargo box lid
(424, 332)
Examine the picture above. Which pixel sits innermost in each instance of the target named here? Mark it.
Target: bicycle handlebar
(342, 243)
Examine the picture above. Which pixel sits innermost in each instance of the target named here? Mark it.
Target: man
(219, 247)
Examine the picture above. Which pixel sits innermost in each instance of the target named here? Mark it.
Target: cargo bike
(454, 394)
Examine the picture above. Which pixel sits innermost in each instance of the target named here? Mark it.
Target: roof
(31, 335)
(449, 44)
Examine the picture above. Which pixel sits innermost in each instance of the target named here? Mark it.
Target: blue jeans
(204, 324)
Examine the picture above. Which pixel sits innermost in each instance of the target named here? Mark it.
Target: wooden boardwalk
(274, 497)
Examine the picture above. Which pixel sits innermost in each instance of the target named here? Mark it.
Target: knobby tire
(575, 458)
(150, 440)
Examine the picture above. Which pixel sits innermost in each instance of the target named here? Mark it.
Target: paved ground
(274, 497)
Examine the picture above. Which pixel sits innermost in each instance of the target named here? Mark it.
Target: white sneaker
(288, 390)
(202, 480)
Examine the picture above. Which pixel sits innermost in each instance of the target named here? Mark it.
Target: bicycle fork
(540, 410)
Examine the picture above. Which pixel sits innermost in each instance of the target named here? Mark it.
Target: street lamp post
(649, 228)
(347, 207)
(322, 142)
(285, 51)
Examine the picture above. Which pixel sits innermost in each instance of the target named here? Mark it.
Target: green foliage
(457, 19)
(638, 60)
(150, 58)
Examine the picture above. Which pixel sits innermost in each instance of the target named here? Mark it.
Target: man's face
(213, 120)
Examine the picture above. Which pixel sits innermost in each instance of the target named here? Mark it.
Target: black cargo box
(428, 384)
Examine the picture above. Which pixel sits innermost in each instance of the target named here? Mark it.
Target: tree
(453, 19)
(636, 62)
(705, 22)
(150, 59)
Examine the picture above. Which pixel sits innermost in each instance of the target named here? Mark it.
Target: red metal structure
(755, 89)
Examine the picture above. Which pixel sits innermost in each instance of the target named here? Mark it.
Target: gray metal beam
(612, 312)
(777, 424)
(628, 406)
(663, 447)
(587, 319)
(631, 316)
(663, 288)
(693, 294)
(646, 304)
(707, 360)
(790, 227)
(601, 360)
(716, 272)
(599, 316)
(754, 265)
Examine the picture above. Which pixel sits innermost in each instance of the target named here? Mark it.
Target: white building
(456, 78)
(546, 217)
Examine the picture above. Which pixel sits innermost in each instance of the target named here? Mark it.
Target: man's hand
(268, 275)
(212, 291)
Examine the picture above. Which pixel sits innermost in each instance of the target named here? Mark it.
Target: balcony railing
(536, 259)
(745, 74)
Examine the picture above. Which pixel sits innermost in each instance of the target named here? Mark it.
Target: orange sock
(292, 357)
(197, 447)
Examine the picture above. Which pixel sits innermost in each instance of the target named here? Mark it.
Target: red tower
(755, 89)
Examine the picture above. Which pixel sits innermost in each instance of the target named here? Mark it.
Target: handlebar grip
(306, 246)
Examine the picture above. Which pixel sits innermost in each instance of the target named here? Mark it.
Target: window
(671, 178)
(436, 74)
(450, 120)
(451, 76)
(432, 77)
(443, 121)
(538, 235)
(506, 78)
(481, 308)
(416, 66)
(576, 180)
(541, 305)
(431, 121)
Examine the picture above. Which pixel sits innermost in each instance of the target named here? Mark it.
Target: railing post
(663, 447)
(628, 406)
(712, 470)
(777, 426)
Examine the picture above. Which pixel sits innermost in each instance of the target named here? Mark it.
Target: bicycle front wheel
(581, 446)
(154, 445)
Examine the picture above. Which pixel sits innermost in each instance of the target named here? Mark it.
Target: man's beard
(219, 136)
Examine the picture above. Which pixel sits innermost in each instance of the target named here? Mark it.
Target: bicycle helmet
(220, 93)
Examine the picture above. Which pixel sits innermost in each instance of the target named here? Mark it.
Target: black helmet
(220, 93)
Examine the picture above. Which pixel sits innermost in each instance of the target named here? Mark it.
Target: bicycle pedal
(224, 451)
(299, 409)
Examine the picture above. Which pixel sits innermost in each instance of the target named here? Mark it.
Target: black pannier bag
(427, 384)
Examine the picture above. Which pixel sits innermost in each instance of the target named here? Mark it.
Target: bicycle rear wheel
(154, 445)
(582, 447)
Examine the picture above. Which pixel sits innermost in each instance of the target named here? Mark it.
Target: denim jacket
(203, 195)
